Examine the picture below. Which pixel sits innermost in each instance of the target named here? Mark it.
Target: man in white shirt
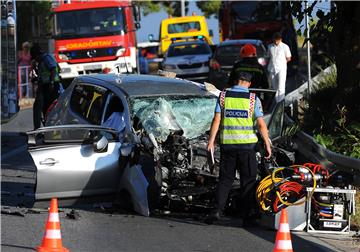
(280, 55)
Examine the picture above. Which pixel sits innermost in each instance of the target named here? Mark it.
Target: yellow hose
(264, 188)
(267, 184)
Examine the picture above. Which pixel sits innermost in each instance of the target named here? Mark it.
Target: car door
(75, 161)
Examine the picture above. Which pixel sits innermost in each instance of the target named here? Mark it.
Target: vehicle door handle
(49, 161)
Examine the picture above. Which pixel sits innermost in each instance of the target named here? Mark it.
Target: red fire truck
(253, 19)
(258, 20)
(95, 36)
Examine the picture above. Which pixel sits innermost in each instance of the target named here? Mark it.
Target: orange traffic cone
(283, 239)
(52, 237)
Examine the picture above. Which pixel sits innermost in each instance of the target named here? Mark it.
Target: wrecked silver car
(158, 147)
(140, 137)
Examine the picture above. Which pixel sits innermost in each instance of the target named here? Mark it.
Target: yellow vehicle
(182, 28)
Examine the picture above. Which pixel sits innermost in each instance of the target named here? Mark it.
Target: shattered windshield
(163, 115)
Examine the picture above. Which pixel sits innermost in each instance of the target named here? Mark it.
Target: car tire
(153, 175)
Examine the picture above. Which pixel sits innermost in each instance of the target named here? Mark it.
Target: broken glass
(163, 115)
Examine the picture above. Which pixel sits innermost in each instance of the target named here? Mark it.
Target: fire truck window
(255, 11)
(67, 24)
(90, 22)
(83, 23)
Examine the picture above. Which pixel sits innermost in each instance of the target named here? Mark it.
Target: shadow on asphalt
(16, 246)
(298, 243)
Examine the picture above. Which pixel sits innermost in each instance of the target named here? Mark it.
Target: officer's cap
(244, 76)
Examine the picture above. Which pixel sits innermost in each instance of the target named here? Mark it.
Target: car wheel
(153, 175)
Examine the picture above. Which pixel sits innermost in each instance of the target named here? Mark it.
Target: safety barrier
(317, 153)
(296, 95)
(24, 84)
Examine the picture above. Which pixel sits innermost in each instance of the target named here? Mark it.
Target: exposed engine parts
(188, 179)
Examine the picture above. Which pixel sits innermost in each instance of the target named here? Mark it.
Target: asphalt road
(109, 228)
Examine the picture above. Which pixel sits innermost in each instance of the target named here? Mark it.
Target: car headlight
(169, 67)
(63, 56)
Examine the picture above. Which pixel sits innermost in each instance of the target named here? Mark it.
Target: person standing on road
(280, 55)
(24, 57)
(48, 82)
(24, 64)
(249, 63)
(236, 114)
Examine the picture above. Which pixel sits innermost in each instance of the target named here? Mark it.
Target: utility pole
(308, 49)
(182, 8)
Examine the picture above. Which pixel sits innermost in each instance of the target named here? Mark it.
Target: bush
(332, 116)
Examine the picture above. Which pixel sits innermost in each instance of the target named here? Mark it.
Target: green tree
(148, 7)
(172, 8)
(32, 21)
(337, 34)
(209, 8)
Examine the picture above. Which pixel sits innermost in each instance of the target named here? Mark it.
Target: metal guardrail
(318, 154)
(300, 92)
(314, 151)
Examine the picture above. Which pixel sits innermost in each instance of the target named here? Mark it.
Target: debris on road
(13, 211)
(74, 215)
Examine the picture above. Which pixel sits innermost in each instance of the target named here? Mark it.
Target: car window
(260, 50)
(232, 52)
(267, 98)
(113, 104)
(69, 134)
(188, 49)
(162, 115)
(276, 121)
(183, 27)
(87, 101)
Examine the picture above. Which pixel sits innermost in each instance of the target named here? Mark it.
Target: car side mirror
(100, 145)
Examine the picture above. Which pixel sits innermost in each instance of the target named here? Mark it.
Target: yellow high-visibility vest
(238, 119)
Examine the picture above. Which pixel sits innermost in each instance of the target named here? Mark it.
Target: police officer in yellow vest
(236, 114)
(48, 82)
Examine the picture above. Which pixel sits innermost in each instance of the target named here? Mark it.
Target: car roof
(182, 19)
(139, 85)
(240, 41)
